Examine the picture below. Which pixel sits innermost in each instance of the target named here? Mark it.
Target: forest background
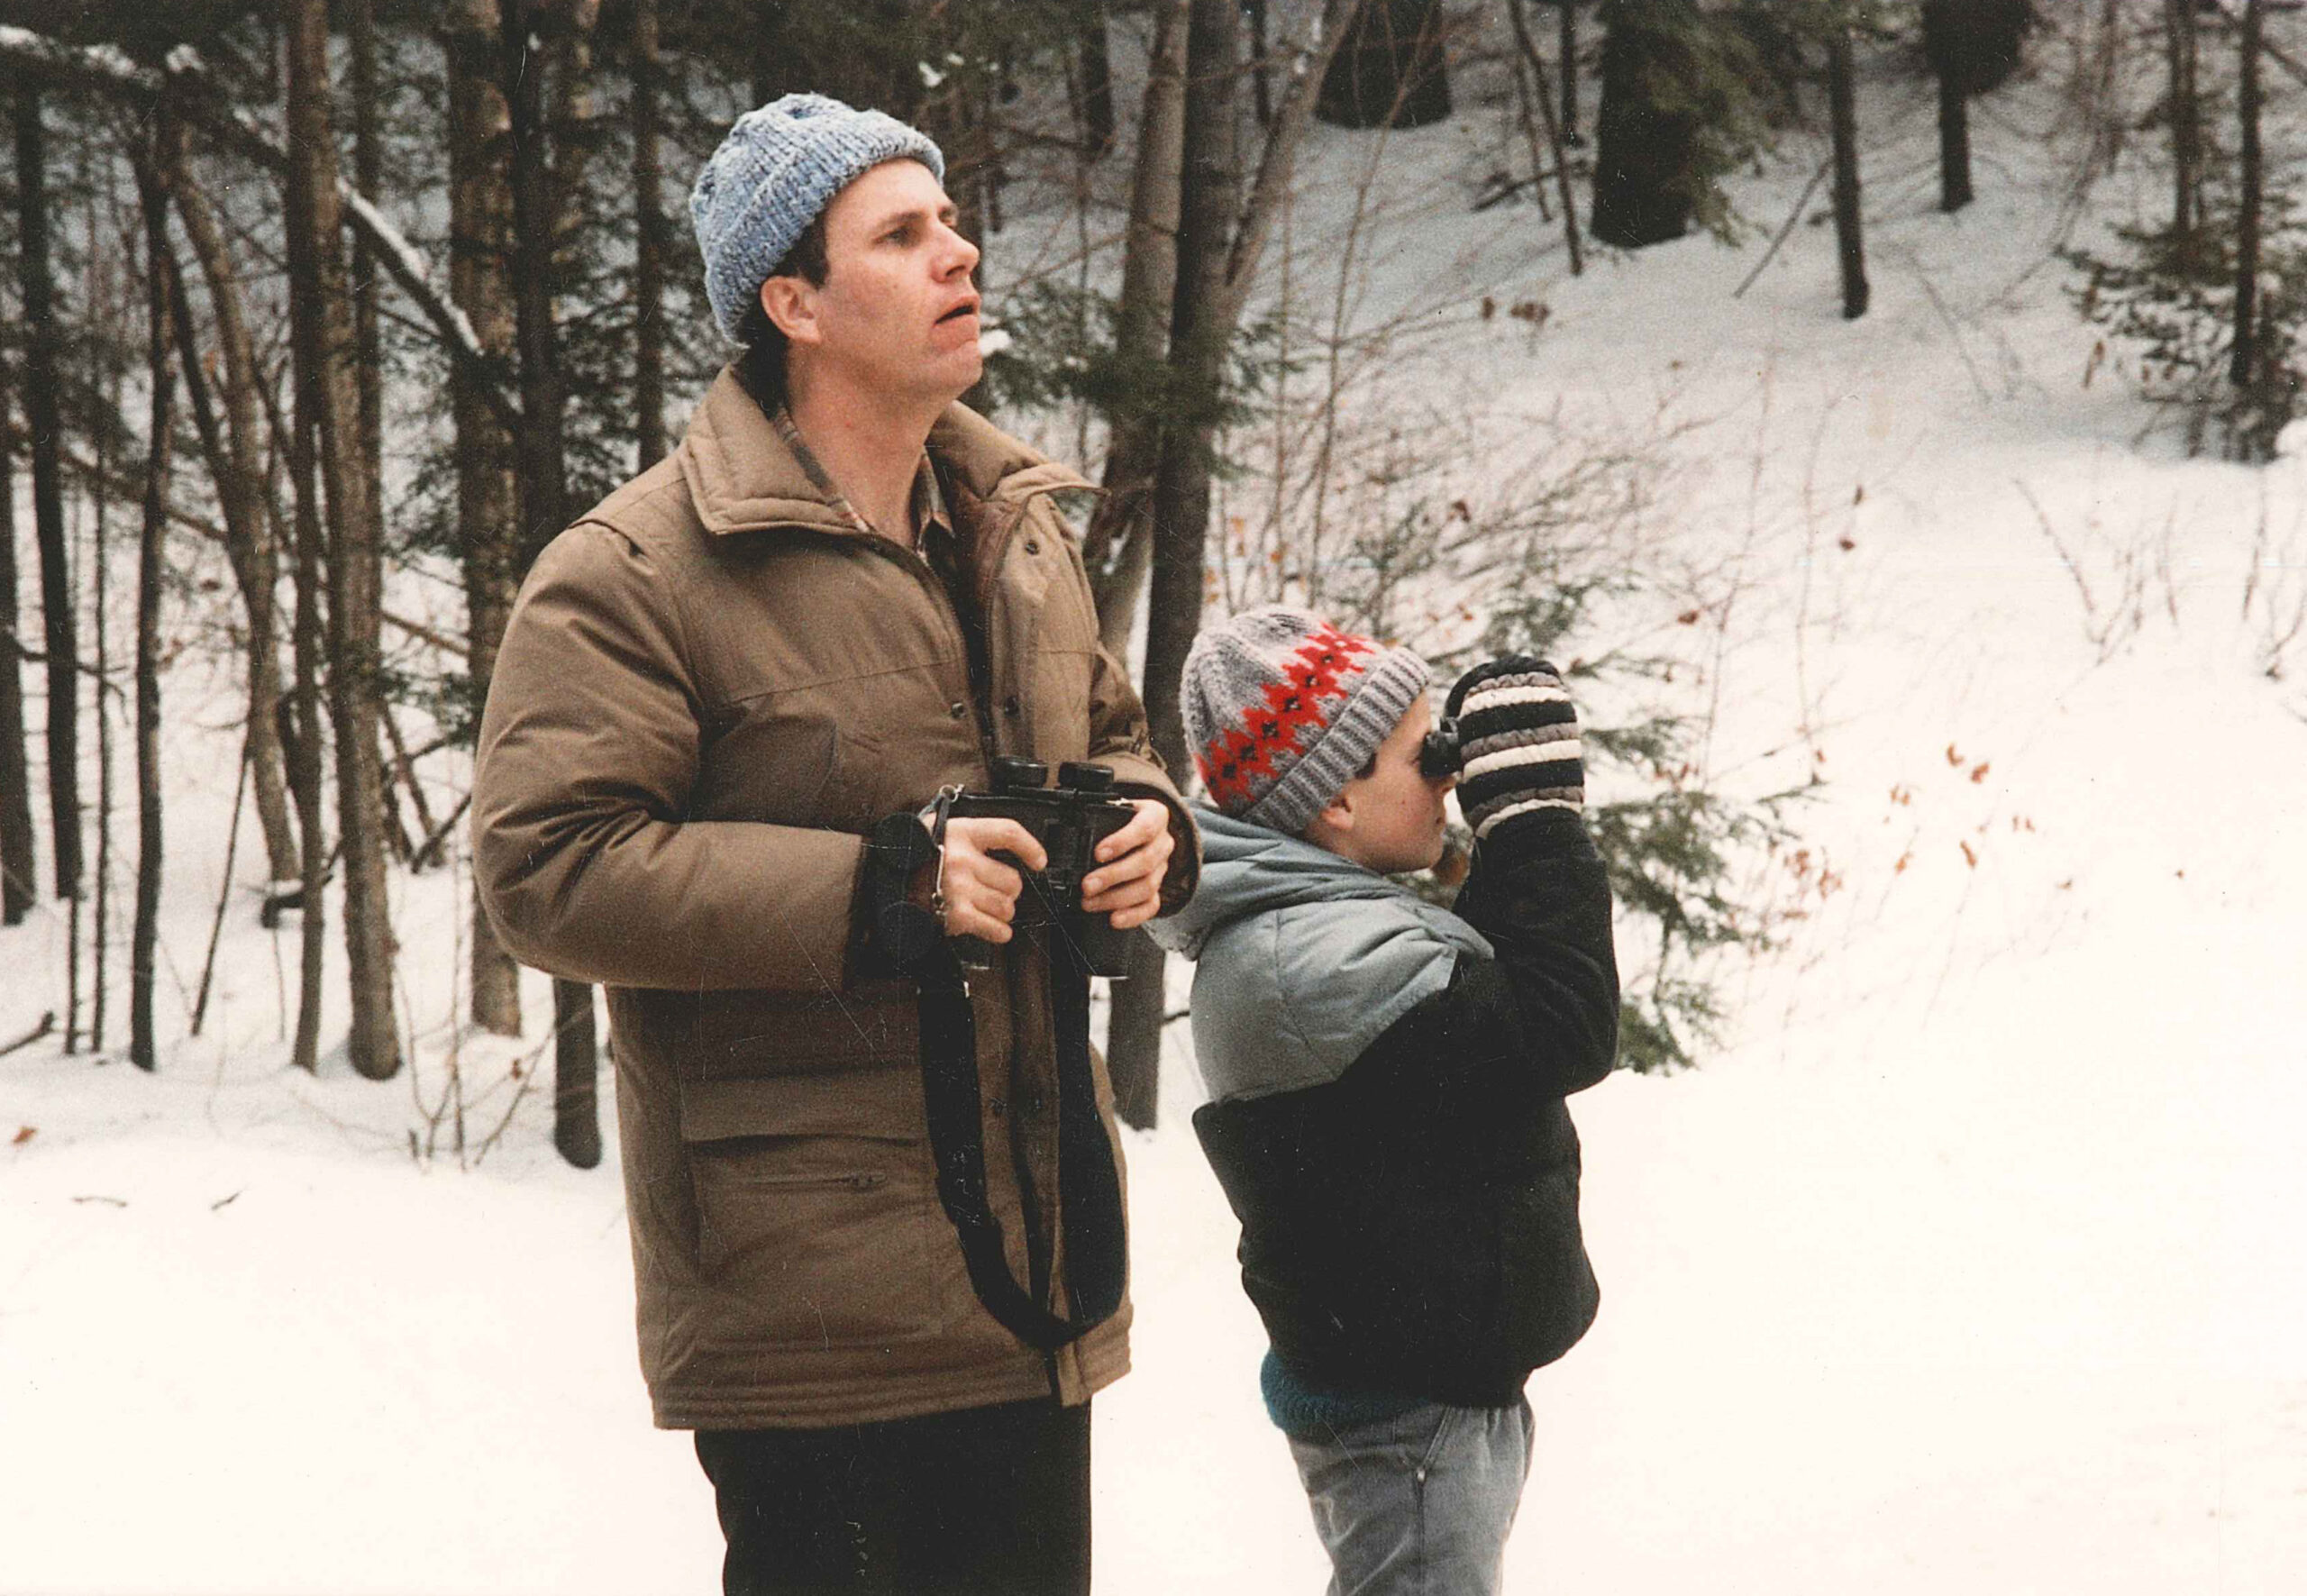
(334, 314)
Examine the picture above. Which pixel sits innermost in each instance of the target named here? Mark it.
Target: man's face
(897, 315)
(1397, 813)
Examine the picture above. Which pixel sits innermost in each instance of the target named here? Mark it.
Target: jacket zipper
(913, 560)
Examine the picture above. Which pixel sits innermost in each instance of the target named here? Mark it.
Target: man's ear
(792, 306)
(1336, 816)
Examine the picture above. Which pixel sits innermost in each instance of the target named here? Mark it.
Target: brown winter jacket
(710, 687)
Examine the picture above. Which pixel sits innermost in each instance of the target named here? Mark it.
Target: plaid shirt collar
(927, 508)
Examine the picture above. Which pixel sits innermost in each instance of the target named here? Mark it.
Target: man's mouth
(967, 308)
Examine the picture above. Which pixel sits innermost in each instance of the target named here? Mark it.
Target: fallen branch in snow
(47, 1023)
(106, 71)
(1784, 228)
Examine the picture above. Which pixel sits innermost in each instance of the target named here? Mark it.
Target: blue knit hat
(779, 167)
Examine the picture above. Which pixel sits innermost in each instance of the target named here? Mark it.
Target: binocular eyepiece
(1443, 752)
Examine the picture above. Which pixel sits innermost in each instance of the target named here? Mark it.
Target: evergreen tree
(1972, 47)
(1679, 110)
(1389, 70)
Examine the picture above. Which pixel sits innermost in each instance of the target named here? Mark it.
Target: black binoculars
(1069, 820)
(1443, 754)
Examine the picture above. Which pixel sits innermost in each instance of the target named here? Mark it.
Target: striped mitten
(1519, 738)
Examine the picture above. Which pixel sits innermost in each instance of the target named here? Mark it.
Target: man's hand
(982, 891)
(1127, 882)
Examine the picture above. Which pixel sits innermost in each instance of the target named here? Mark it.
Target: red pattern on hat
(1313, 675)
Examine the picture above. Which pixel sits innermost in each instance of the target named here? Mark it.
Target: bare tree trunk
(236, 460)
(1118, 546)
(1570, 134)
(1219, 241)
(543, 494)
(103, 389)
(42, 384)
(359, 18)
(1535, 81)
(2186, 122)
(307, 773)
(1954, 144)
(19, 864)
(487, 505)
(1209, 184)
(1260, 61)
(488, 509)
(1093, 108)
(649, 248)
(327, 347)
(144, 1047)
(2243, 371)
(1217, 260)
(1973, 46)
(1849, 237)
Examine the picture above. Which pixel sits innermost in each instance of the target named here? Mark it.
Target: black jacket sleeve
(1539, 892)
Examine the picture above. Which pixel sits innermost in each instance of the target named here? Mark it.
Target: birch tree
(329, 403)
(44, 379)
(1221, 237)
(19, 861)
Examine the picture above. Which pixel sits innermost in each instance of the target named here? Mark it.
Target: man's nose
(961, 256)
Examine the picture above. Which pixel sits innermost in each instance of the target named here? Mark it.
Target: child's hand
(1519, 737)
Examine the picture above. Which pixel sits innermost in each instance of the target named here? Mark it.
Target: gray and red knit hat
(1282, 710)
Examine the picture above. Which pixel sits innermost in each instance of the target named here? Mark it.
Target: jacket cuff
(1533, 834)
(891, 934)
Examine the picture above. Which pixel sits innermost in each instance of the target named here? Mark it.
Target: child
(1387, 1077)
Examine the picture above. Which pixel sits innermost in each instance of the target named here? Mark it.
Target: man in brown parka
(843, 593)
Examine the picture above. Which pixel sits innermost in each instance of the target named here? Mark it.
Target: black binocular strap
(1089, 1184)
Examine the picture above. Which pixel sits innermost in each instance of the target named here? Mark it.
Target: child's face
(1392, 818)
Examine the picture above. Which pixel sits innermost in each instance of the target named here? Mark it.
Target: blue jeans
(1418, 1504)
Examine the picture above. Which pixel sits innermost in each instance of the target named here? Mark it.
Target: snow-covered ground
(1971, 1263)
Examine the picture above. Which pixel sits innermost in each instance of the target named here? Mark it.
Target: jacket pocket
(786, 758)
(816, 1209)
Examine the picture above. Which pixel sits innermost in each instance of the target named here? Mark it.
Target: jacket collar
(742, 476)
